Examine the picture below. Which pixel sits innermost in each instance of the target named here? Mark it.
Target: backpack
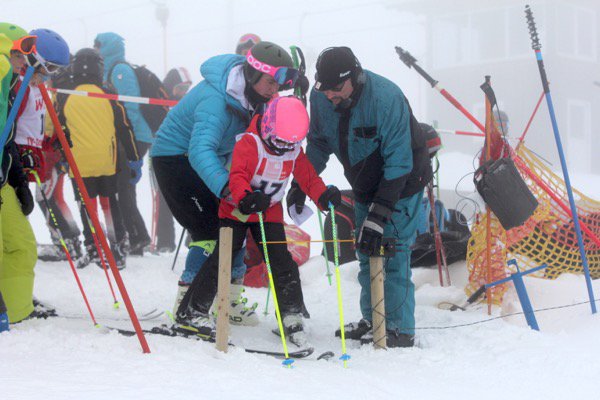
(151, 87)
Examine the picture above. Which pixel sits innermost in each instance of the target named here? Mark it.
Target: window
(577, 36)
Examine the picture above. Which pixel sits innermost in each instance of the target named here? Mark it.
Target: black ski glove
(295, 197)
(25, 198)
(331, 195)
(254, 202)
(370, 234)
(29, 160)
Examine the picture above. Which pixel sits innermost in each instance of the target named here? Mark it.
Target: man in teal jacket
(194, 145)
(120, 76)
(367, 123)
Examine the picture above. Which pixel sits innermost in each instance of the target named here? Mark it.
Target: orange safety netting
(547, 237)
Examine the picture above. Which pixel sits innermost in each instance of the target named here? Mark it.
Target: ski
(165, 330)
(148, 316)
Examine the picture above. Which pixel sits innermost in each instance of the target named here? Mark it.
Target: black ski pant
(127, 198)
(53, 189)
(192, 203)
(163, 218)
(286, 276)
(104, 187)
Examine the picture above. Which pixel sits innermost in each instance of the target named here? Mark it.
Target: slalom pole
(537, 46)
(64, 246)
(14, 110)
(288, 361)
(345, 356)
(440, 251)
(111, 260)
(324, 246)
(117, 97)
(178, 247)
(535, 110)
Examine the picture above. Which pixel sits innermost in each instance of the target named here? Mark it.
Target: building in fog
(468, 39)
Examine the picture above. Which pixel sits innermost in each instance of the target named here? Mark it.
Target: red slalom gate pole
(117, 97)
(101, 236)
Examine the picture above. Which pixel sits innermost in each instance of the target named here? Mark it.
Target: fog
(457, 42)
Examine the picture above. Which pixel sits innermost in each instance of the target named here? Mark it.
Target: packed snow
(68, 358)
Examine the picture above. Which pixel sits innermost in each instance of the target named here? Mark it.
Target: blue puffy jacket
(123, 79)
(203, 125)
(383, 160)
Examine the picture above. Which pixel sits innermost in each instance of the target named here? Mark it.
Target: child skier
(261, 167)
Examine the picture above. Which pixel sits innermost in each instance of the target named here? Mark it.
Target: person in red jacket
(261, 166)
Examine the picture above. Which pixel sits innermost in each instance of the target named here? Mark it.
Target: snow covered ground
(67, 358)
(64, 358)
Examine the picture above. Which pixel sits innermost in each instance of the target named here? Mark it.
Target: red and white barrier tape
(128, 99)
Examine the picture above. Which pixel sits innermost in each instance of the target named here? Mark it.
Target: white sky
(197, 30)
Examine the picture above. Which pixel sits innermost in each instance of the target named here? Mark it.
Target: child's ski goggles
(24, 45)
(35, 60)
(283, 75)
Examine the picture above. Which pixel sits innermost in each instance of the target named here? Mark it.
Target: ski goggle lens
(283, 144)
(24, 45)
(284, 76)
(35, 60)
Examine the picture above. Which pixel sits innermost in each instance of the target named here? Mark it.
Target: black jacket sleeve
(125, 134)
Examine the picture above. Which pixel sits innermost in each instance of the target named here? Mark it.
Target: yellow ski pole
(345, 357)
(288, 361)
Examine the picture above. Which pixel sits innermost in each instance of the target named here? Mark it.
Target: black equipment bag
(503, 189)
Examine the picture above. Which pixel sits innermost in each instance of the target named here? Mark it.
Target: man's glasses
(337, 88)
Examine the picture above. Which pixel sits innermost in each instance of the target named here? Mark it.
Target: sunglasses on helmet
(285, 76)
(24, 45)
(35, 60)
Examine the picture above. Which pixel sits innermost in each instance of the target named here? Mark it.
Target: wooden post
(377, 302)
(225, 239)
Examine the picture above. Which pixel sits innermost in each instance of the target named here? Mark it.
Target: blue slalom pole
(536, 46)
(15, 109)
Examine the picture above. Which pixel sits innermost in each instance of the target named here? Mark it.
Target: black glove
(29, 160)
(331, 195)
(25, 198)
(254, 202)
(295, 197)
(370, 234)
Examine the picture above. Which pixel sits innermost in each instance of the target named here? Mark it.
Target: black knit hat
(335, 65)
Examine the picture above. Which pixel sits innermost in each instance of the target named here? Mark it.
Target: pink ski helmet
(284, 124)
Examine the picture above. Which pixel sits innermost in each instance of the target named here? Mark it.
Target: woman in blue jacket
(193, 147)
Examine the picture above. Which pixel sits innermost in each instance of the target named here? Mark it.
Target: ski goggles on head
(35, 60)
(24, 45)
(283, 75)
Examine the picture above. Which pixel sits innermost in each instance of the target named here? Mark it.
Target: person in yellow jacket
(95, 125)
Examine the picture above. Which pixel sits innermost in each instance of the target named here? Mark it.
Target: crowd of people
(222, 157)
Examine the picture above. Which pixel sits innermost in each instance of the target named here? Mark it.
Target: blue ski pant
(399, 290)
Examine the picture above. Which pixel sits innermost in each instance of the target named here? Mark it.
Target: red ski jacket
(244, 167)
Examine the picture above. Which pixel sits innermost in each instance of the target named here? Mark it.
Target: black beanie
(335, 65)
